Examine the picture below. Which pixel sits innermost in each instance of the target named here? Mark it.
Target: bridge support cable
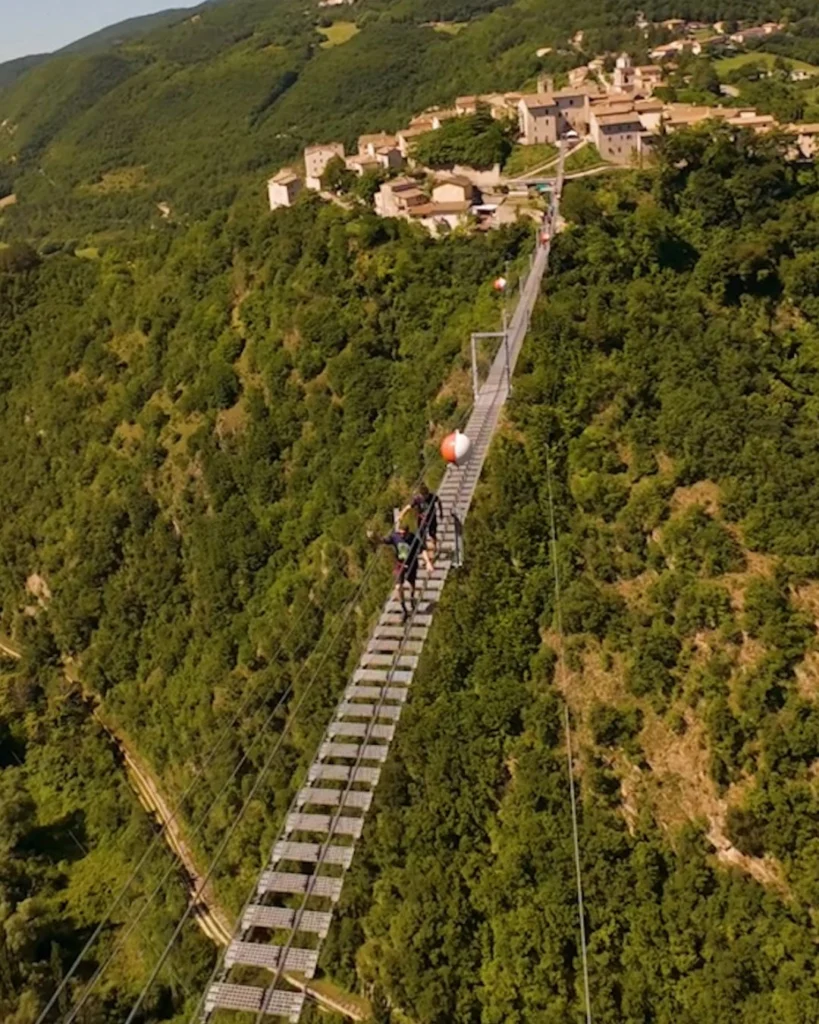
(338, 624)
(288, 915)
(568, 733)
(175, 810)
(567, 725)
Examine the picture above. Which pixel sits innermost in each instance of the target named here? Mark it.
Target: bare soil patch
(682, 790)
(704, 492)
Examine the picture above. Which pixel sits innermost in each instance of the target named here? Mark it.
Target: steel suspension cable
(486, 424)
(175, 810)
(98, 974)
(343, 615)
(280, 969)
(568, 731)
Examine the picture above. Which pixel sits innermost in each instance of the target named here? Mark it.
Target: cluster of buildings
(697, 44)
(618, 119)
(623, 118)
(619, 114)
(447, 202)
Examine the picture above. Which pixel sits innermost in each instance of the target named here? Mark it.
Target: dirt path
(7, 647)
(210, 917)
(213, 921)
(330, 997)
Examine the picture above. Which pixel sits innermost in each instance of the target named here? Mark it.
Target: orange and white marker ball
(455, 447)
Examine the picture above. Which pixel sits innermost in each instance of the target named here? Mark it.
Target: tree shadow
(12, 749)
(62, 840)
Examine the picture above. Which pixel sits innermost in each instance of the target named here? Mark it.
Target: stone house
(438, 218)
(316, 159)
(453, 189)
(397, 197)
(407, 136)
(283, 188)
(467, 104)
(616, 134)
(380, 140)
(361, 163)
(538, 119)
(745, 35)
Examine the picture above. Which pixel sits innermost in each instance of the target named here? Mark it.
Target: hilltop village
(615, 115)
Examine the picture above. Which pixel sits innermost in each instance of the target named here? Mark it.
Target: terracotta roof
(362, 160)
(612, 120)
(578, 90)
(687, 112)
(415, 130)
(612, 99)
(538, 100)
(317, 147)
(286, 176)
(608, 109)
(648, 106)
(431, 209)
(804, 129)
(454, 179)
(760, 120)
(645, 69)
(379, 139)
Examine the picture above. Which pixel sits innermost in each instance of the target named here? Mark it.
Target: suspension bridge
(290, 911)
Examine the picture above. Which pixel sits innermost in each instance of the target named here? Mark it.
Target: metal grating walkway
(284, 924)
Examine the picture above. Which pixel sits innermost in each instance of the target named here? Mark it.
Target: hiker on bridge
(407, 547)
(427, 506)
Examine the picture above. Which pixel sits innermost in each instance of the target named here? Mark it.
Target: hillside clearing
(338, 33)
(727, 64)
(449, 28)
(525, 158)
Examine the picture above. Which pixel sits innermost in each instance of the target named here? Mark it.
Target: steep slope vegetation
(672, 380)
(201, 415)
(198, 429)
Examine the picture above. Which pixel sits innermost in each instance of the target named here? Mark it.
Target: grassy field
(727, 64)
(122, 179)
(584, 159)
(337, 33)
(524, 158)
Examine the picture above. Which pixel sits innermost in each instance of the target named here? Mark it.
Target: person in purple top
(407, 547)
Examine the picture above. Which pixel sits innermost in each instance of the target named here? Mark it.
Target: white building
(283, 188)
(316, 159)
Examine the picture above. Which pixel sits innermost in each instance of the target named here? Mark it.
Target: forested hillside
(672, 384)
(203, 407)
(198, 430)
